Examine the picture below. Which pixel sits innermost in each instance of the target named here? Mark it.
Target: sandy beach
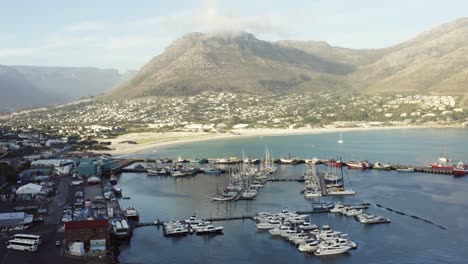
(147, 141)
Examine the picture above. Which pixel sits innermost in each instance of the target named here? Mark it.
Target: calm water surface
(441, 199)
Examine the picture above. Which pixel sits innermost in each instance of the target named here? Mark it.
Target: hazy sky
(126, 34)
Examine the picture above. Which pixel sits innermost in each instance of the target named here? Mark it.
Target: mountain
(71, 83)
(17, 92)
(435, 61)
(32, 86)
(231, 62)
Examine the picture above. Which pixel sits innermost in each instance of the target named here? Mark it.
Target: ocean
(440, 199)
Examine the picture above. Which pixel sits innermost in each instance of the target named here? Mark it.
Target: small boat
(359, 165)
(178, 174)
(211, 170)
(380, 166)
(352, 212)
(334, 163)
(341, 191)
(248, 194)
(340, 141)
(279, 230)
(461, 169)
(208, 229)
(404, 169)
(338, 208)
(131, 213)
(371, 219)
(331, 249)
(309, 247)
(270, 224)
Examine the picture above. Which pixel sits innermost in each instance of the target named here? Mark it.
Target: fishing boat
(360, 165)
(131, 213)
(461, 169)
(334, 163)
(443, 163)
(380, 166)
(340, 141)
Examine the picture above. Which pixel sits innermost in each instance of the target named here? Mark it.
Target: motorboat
(341, 191)
(404, 169)
(269, 225)
(307, 226)
(131, 213)
(352, 212)
(380, 166)
(248, 194)
(371, 219)
(339, 208)
(360, 165)
(312, 194)
(331, 249)
(209, 229)
(298, 236)
(311, 246)
(279, 230)
(288, 233)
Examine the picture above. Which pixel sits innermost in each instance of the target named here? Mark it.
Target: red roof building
(87, 230)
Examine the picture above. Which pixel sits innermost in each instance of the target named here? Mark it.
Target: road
(48, 252)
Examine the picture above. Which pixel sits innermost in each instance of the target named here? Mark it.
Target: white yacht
(209, 229)
(341, 191)
(298, 237)
(331, 249)
(279, 230)
(352, 212)
(307, 226)
(289, 233)
(269, 225)
(372, 219)
(339, 208)
(311, 246)
(312, 194)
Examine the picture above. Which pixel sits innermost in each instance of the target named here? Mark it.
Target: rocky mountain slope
(435, 61)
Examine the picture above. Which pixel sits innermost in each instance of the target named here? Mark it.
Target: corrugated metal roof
(74, 225)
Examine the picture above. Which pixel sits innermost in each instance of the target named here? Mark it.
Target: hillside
(237, 63)
(71, 83)
(17, 92)
(435, 61)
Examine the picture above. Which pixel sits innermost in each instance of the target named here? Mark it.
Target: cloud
(87, 26)
(211, 18)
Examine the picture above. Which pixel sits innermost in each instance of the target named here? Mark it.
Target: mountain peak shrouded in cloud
(432, 62)
(210, 17)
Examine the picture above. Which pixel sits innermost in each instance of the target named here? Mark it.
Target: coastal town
(222, 112)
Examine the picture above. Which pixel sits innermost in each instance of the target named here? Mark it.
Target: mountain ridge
(239, 62)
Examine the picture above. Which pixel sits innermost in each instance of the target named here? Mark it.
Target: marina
(281, 190)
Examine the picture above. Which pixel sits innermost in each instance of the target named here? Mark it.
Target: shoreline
(150, 140)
